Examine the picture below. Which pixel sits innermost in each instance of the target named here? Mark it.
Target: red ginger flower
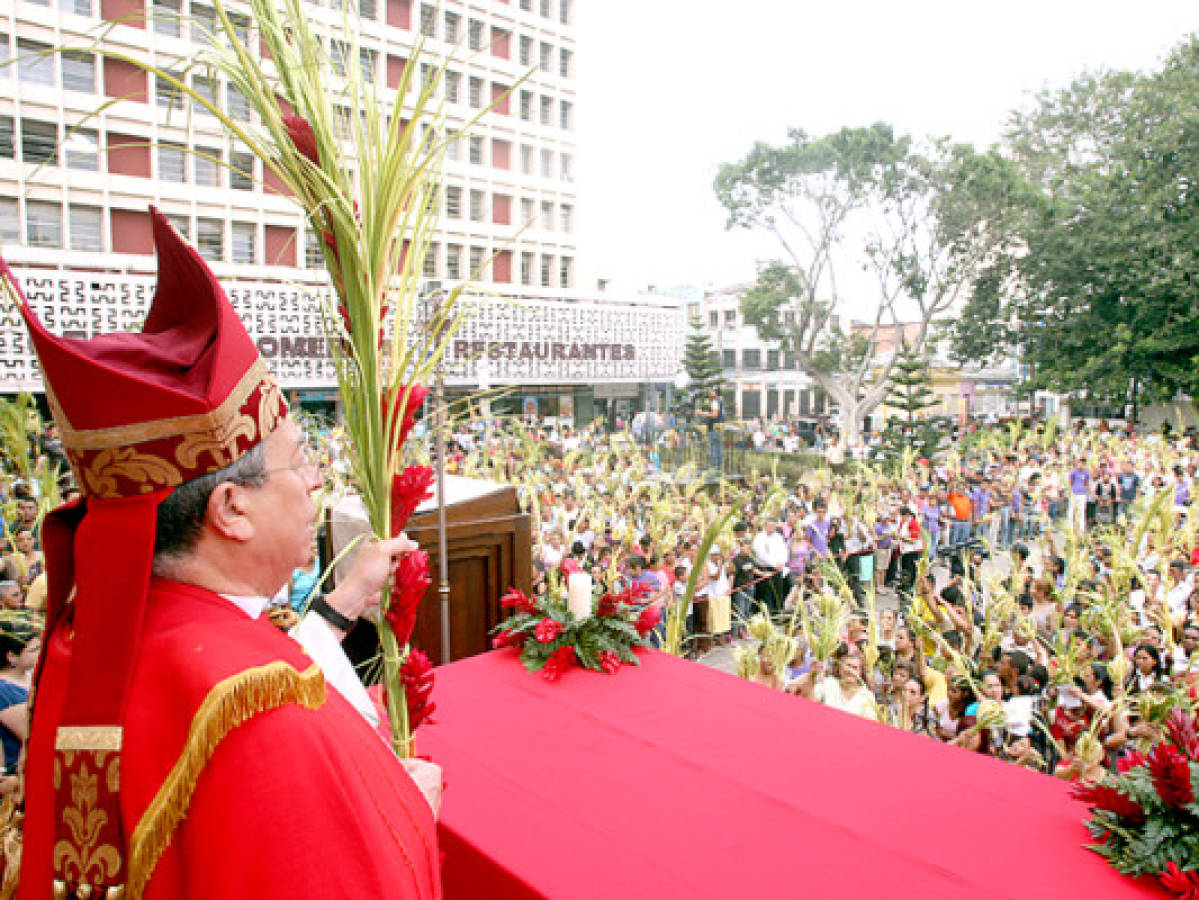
(410, 583)
(1171, 775)
(408, 490)
(1109, 799)
(303, 137)
(560, 660)
(1182, 732)
(401, 402)
(648, 620)
(507, 639)
(609, 662)
(547, 630)
(1131, 761)
(518, 600)
(417, 676)
(1183, 883)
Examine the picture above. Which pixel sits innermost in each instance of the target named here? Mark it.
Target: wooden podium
(489, 550)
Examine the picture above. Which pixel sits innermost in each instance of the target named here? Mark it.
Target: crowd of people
(1028, 595)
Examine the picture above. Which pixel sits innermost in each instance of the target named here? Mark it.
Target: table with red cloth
(676, 780)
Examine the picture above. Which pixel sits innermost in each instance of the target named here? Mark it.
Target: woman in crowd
(20, 644)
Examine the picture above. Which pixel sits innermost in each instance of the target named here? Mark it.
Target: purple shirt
(818, 535)
(1080, 480)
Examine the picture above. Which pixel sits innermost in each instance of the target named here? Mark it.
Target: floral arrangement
(551, 639)
(1146, 818)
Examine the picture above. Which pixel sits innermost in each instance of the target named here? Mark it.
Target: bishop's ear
(228, 508)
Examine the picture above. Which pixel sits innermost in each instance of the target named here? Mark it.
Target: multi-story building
(762, 378)
(88, 140)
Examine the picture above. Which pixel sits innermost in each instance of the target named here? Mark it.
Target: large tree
(702, 366)
(1101, 298)
(922, 220)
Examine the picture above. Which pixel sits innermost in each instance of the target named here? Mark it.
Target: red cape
(292, 802)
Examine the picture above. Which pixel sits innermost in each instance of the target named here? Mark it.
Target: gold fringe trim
(10, 846)
(230, 703)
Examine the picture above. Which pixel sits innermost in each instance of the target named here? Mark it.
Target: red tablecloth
(676, 780)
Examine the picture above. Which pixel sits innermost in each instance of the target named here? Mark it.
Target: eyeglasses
(309, 459)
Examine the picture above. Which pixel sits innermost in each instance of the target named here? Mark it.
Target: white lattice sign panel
(526, 341)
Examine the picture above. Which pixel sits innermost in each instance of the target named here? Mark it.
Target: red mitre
(139, 414)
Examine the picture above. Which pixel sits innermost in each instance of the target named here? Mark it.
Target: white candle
(578, 595)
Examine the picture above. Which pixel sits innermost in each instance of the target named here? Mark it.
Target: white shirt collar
(251, 606)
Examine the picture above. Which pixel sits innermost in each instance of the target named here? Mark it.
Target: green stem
(397, 704)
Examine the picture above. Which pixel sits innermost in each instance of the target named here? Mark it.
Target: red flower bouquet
(1145, 818)
(551, 640)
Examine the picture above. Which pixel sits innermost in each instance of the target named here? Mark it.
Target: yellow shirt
(934, 685)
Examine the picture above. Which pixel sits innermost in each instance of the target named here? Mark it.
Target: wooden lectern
(489, 550)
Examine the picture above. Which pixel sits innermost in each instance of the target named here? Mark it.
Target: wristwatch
(321, 607)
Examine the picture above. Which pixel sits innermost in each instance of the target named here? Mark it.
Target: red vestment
(292, 802)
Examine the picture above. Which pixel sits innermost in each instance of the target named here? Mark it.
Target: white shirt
(770, 550)
(319, 641)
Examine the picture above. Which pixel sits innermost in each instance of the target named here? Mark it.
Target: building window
(547, 215)
(181, 224)
(728, 359)
(78, 7)
(453, 86)
(547, 163)
(730, 318)
(10, 221)
(453, 202)
(526, 5)
(452, 20)
(453, 260)
(564, 12)
(429, 263)
(545, 8)
(35, 64)
(172, 164)
(478, 206)
(565, 218)
(546, 57)
(547, 269)
(87, 230)
(313, 257)
(526, 269)
(167, 15)
(78, 72)
(43, 224)
(8, 142)
(474, 35)
(772, 360)
(368, 64)
(713, 319)
(168, 95)
(426, 77)
(751, 359)
(526, 50)
(476, 261)
(210, 239)
(244, 244)
(567, 170)
(238, 104)
(547, 110)
(206, 163)
(452, 151)
(204, 28)
(476, 93)
(368, 9)
(564, 113)
(564, 62)
(526, 106)
(476, 150)
(428, 20)
(82, 150)
(241, 170)
(526, 159)
(206, 88)
(241, 27)
(526, 211)
(39, 142)
(564, 271)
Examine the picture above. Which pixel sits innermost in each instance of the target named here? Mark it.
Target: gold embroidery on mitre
(101, 473)
(221, 442)
(85, 859)
(269, 404)
(140, 432)
(229, 704)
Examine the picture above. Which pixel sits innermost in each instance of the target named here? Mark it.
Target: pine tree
(702, 365)
(910, 394)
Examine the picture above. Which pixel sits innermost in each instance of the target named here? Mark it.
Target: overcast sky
(669, 89)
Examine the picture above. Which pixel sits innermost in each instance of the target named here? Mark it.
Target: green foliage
(911, 395)
(1107, 215)
(702, 367)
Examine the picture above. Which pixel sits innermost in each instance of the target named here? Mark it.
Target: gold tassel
(10, 846)
(230, 703)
